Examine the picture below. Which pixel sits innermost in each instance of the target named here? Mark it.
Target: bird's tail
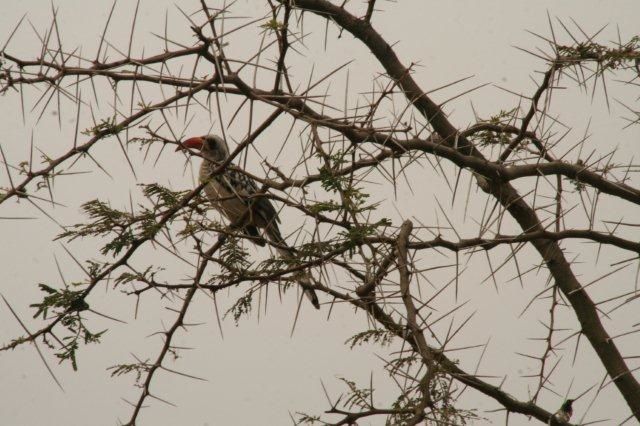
(304, 278)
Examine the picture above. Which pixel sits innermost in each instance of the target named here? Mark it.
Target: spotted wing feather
(233, 192)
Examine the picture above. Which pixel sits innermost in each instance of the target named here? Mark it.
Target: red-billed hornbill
(563, 415)
(234, 195)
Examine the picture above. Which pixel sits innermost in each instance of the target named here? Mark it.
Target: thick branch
(550, 251)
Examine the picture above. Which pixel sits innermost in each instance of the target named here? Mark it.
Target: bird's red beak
(191, 143)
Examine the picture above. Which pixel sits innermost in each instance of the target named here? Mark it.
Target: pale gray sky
(257, 374)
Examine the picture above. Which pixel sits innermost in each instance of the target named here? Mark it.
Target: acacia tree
(522, 176)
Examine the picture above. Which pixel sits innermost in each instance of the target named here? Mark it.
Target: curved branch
(465, 155)
(427, 352)
(508, 197)
(20, 189)
(577, 172)
(178, 323)
(489, 243)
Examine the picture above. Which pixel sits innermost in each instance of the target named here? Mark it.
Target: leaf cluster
(241, 307)
(378, 336)
(68, 304)
(124, 227)
(607, 58)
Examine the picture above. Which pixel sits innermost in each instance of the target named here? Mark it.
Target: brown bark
(505, 193)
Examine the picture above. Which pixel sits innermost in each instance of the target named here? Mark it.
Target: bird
(563, 415)
(236, 196)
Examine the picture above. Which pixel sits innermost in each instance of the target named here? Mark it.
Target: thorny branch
(379, 259)
(506, 195)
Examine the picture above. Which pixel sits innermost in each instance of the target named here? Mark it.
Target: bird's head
(212, 147)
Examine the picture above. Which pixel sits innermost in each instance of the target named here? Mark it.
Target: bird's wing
(244, 187)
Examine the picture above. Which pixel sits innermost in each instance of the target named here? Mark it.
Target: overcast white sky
(257, 374)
